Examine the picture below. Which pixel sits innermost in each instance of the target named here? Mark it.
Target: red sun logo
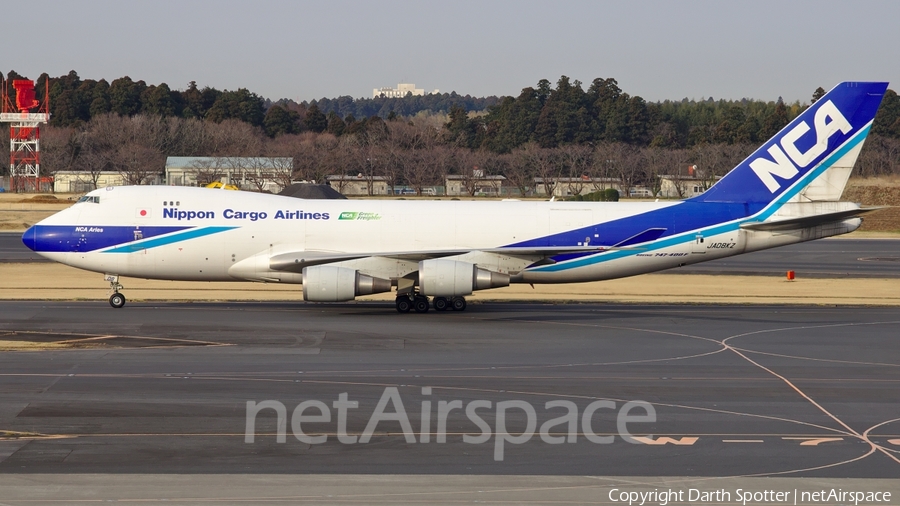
(143, 212)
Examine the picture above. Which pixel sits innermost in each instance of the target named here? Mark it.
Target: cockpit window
(87, 198)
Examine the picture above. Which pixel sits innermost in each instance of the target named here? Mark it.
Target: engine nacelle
(451, 278)
(328, 283)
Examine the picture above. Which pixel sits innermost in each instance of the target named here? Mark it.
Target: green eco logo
(353, 215)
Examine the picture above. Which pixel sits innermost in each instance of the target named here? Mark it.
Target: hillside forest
(567, 130)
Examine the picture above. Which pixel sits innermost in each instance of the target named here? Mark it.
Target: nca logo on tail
(828, 121)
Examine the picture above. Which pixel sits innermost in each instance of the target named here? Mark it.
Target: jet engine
(328, 283)
(451, 278)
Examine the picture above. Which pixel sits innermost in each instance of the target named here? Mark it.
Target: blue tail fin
(828, 131)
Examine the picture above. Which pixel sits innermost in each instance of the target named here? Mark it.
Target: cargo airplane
(434, 253)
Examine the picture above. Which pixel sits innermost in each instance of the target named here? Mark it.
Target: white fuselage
(219, 235)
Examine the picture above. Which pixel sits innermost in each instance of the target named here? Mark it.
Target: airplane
(435, 253)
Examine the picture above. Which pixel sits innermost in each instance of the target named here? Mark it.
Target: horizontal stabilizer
(808, 221)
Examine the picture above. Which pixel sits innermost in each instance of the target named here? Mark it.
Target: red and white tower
(24, 133)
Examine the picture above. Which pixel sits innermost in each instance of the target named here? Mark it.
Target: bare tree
(709, 160)
(602, 163)
(282, 148)
(409, 136)
(313, 155)
(282, 170)
(628, 164)
(258, 171)
(657, 160)
(880, 156)
(519, 172)
(472, 169)
(735, 154)
(578, 160)
(137, 163)
(497, 166)
(93, 159)
(544, 164)
(361, 159)
(445, 162)
(233, 138)
(419, 169)
(207, 170)
(128, 147)
(59, 147)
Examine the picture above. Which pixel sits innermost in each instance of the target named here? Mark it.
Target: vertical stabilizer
(809, 159)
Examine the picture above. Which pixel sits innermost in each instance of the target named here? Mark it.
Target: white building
(400, 91)
(79, 181)
(358, 185)
(682, 186)
(260, 173)
(571, 186)
(477, 185)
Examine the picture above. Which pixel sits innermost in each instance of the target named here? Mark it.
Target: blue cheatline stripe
(689, 236)
(163, 241)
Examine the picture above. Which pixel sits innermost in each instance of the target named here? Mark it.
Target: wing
(296, 261)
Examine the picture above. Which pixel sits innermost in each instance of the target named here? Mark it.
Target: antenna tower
(24, 133)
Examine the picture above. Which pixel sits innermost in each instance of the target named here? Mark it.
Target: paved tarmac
(828, 258)
(13, 250)
(163, 389)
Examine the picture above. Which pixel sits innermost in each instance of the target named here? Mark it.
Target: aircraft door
(699, 245)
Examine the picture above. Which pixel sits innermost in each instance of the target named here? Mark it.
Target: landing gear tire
(440, 304)
(420, 304)
(403, 304)
(117, 300)
(458, 304)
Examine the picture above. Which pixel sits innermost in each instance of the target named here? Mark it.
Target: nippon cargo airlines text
(231, 214)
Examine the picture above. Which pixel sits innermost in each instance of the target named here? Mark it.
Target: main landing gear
(419, 303)
(116, 300)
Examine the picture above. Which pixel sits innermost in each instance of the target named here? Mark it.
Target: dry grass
(59, 282)
(877, 191)
(882, 181)
(29, 346)
(39, 198)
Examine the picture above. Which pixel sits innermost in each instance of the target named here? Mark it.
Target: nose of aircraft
(29, 238)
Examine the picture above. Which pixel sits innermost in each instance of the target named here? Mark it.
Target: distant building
(477, 184)
(682, 186)
(256, 173)
(358, 185)
(571, 186)
(79, 181)
(400, 91)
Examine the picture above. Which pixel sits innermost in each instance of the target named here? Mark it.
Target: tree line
(416, 153)
(548, 116)
(544, 132)
(75, 101)
(568, 114)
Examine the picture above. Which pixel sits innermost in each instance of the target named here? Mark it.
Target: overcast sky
(304, 50)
